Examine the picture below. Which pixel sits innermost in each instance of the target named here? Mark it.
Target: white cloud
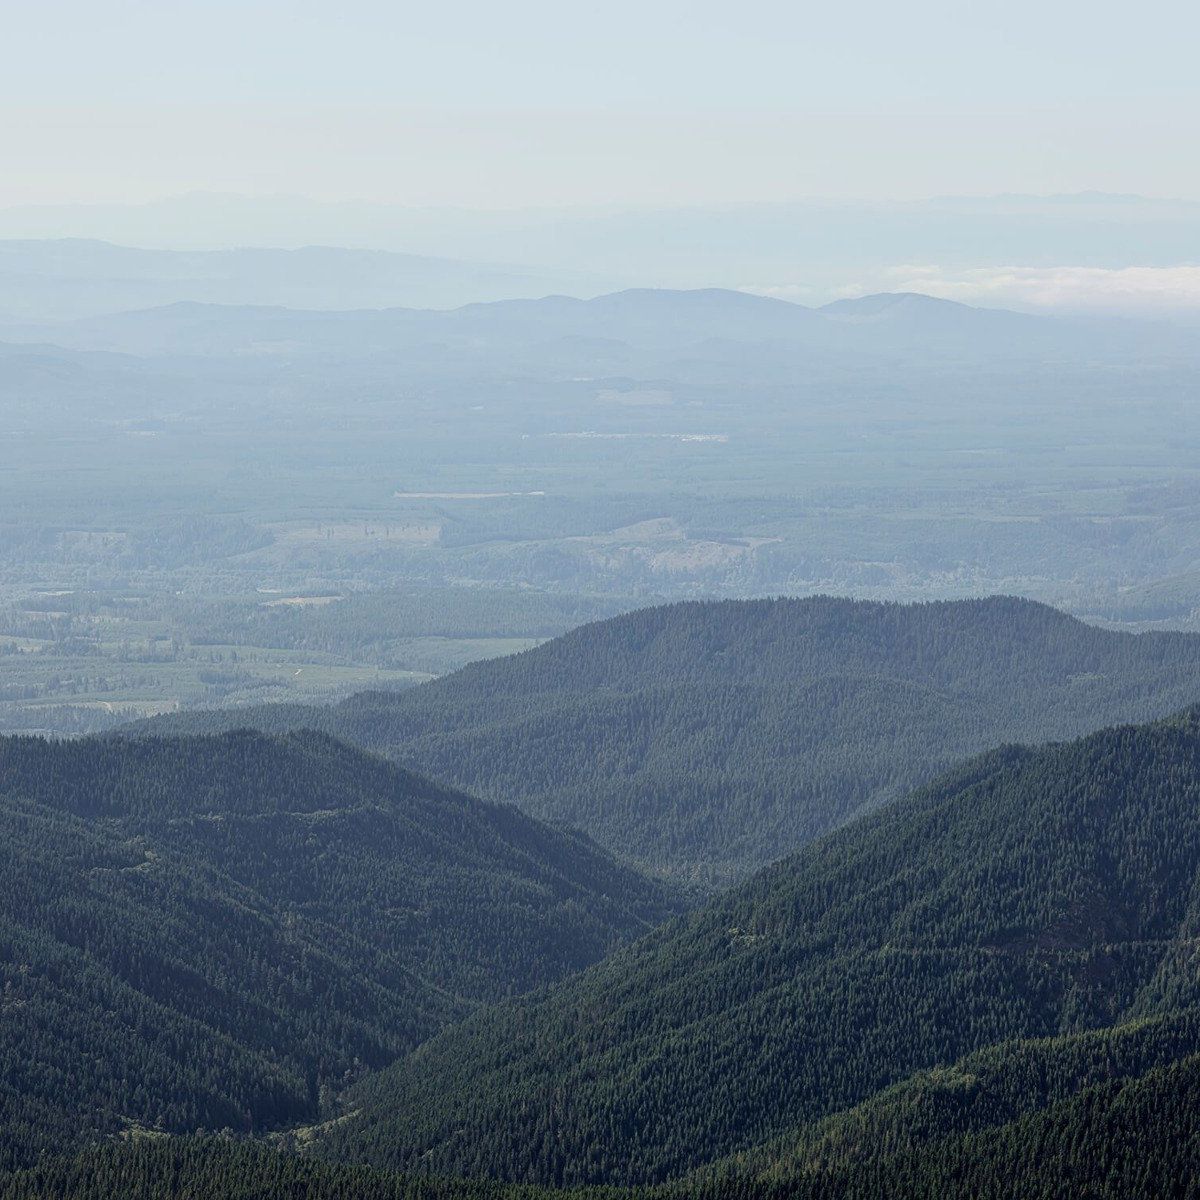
(1150, 291)
(1157, 290)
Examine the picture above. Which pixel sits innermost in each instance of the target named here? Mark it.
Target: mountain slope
(222, 932)
(1028, 894)
(707, 739)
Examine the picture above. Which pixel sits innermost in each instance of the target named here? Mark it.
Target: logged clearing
(406, 533)
(301, 601)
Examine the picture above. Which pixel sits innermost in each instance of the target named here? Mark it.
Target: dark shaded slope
(1030, 894)
(1132, 1139)
(707, 739)
(223, 932)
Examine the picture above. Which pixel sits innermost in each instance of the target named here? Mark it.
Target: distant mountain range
(77, 277)
(705, 740)
(627, 328)
(809, 249)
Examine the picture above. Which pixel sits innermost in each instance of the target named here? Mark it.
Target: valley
(589, 457)
(893, 954)
(377, 985)
(657, 745)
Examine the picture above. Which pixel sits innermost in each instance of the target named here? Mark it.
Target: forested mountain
(1012, 950)
(707, 739)
(224, 931)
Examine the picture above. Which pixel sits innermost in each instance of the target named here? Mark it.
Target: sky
(523, 104)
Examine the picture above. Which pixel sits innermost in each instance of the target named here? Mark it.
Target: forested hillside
(707, 739)
(223, 932)
(1010, 949)
(1134, 1140)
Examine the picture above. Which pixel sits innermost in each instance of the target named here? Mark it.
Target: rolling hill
(223, 932)
(705, 740)
(992, 970)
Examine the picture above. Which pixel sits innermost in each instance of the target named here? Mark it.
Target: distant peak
(879, 302)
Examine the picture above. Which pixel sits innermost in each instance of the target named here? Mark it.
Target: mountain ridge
(659, 320)
(223, 932)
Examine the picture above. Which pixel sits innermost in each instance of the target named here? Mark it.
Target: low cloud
(1072, 289)
(1151, 291)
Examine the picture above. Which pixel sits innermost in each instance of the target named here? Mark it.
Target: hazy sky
(528, 103)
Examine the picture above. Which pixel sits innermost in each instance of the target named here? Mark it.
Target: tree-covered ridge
(706, 739)
(1129, 1139)
(977, 1095)
(213, 932)
(1027, 895)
